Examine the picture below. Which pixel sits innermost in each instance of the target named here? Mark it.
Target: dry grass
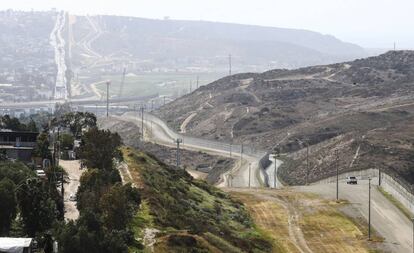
(324, 228)
(272, 219)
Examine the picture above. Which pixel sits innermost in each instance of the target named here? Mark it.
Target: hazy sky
(369, 23)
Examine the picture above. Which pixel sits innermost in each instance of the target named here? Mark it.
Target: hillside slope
(180, 214)
(177, 43)
(363, 108)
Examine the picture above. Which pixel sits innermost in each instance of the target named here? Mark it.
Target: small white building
(16, 245)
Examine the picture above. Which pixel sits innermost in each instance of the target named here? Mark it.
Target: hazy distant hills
(200, 43)
(363, 108)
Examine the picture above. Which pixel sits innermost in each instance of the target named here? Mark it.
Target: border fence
(261, 156)
(398, 188)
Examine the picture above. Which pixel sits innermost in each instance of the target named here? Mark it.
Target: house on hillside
(18, 145)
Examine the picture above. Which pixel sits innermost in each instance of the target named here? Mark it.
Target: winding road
(248, 159)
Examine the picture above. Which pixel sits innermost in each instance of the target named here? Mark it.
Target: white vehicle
(41, 174)
(72, 197)
(351, 180)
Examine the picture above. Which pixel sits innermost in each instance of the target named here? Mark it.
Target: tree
(77, 122)
(42, 147)
(15, 171)
(37, 209)
(118, 207)
(7, 205)
(99, 148)
(13, 124)
(66, 141)
(31, 126)
(93, 184)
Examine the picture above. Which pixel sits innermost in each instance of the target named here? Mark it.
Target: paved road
(386, 219)
(161, 134)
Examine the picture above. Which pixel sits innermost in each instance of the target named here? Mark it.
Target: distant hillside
(364, 108)
(176, 43)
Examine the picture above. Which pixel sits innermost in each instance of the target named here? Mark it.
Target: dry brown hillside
(363, 108)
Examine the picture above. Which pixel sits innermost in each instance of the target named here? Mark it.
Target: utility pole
(241, 154)
(250, 172)
(152, 105)
(142, 108)
(197, 81)
(107, 98)
(178, 141)
(337, 174)
(229, 64)
(379, 177)
(412, 219)
(275, 156)
(191, 86)
(307, 162)
(369, 209)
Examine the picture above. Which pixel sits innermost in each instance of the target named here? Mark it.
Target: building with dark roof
(18, 145)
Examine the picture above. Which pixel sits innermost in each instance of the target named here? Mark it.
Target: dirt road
(302, 222)
(74, 174)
